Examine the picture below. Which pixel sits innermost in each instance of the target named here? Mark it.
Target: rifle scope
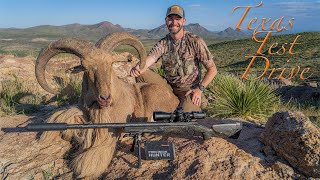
(178, 116)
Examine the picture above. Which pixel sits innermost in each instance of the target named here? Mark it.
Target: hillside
(231, 55)
(201, 31)
(29, 41)
(95, 31)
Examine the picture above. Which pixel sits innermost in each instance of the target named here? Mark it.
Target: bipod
(136, 140)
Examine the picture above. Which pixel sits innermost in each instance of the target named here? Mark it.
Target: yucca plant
(249, 99)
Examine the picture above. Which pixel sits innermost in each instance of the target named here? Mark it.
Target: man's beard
(174, 32)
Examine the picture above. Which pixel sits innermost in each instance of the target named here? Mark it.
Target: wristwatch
(201, 87)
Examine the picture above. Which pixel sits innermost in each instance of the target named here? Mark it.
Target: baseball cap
(175, 9)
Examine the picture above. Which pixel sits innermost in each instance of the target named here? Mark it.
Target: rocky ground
(22, 157)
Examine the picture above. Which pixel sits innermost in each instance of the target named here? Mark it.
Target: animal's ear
(114, 40)
(128, 58)
(76, 69)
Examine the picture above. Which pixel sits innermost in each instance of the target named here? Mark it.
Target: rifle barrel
(224, 130)
(65, 126)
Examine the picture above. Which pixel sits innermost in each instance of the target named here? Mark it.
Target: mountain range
(96, 31)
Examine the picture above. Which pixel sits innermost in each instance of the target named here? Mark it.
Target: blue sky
(214, 15)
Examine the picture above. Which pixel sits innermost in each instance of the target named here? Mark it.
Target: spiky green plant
(249, 99)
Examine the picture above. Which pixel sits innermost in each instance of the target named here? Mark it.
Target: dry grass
(310, 110)
(18, 96)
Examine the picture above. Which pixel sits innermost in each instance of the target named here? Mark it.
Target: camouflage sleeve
(158, 50)
(203, 53)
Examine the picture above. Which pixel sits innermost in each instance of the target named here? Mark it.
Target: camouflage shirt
(181, 59)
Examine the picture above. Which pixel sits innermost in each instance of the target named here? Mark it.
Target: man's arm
(210, 74)
(154, 54)
(196, 93)
(136, 71)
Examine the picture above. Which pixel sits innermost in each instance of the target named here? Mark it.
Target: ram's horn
(113, 40)
(74, 46)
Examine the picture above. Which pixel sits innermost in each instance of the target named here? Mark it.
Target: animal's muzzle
(104, 101)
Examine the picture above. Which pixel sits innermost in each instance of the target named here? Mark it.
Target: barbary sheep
(104, 99)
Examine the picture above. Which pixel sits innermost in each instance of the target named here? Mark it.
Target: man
(182, 54)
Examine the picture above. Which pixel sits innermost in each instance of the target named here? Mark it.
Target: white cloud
(298, 9)
(194, 5)
(297, 6)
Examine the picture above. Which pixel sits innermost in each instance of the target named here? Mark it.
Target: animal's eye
(76, 69)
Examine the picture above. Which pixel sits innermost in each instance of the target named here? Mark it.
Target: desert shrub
(69, 93)
(249, 99)
(17, 97)
(309, 109)
(315, 120)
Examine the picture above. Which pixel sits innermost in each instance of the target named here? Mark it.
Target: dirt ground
(22, 157)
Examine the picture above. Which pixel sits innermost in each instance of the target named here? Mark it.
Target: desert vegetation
(232, 97)
(230, 59)
(229, 97)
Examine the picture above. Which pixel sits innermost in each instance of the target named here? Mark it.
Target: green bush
(70, 93)
(315, 120)
(249, 99)
(16, 97)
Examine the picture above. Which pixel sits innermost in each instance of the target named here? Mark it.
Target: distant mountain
(199, 30)
(96, 31)
(196, 28)
(106, 26)
(90, 32)
(162, 30)
(229, 32)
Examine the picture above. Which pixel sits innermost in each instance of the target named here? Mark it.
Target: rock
(268, 150)
(301, 94)
(296, 139)
(281, 82)
(215, 158)
(22, 157)
(286, 82)
(311, 84)
(285, 170)
(271, 158)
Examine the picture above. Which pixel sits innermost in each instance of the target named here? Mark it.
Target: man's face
(174, 23)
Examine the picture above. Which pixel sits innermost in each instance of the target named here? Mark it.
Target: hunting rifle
(177, 121)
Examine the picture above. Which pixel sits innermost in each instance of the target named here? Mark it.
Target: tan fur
(129, 102)
(97, 150)
(72, 115)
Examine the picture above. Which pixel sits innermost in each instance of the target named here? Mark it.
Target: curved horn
(113, 40)
(77, 47)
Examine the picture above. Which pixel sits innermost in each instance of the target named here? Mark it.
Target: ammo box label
(156, 150)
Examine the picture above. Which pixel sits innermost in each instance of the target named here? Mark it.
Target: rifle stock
(220, 130)
(136, 129)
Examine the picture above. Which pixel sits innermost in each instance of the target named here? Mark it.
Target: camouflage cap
(175, 9)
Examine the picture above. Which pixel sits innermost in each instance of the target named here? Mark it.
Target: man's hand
(135, 71)
(196, 96)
